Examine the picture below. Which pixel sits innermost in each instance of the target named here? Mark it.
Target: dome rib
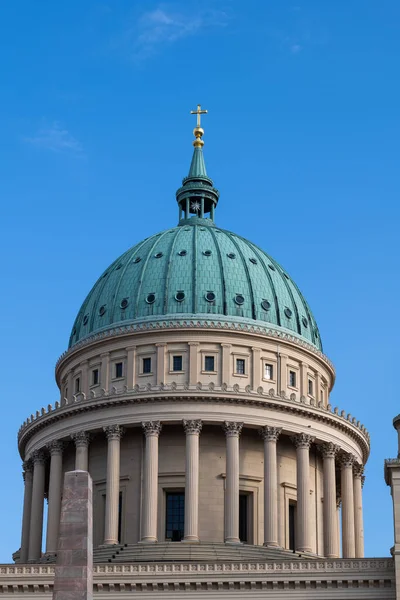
(195, 259)
(124, 269)
(246, 269)
(168, 271)
(221, 270)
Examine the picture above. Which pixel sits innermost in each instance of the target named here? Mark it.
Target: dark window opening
(120, 517)
(292, 378)
(292, 525)
(175, 516)
(240, 366)
(95, 376)
(244, 517)
(310, 387)
(177, 363)
(147, 365)
(268, 371)
(118, 369)
(77, 385)
(209, 363)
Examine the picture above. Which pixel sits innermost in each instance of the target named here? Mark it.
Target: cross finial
(198, 131)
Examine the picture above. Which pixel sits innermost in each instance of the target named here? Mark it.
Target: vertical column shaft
(303, 530)
(55, 489)
(256, 370)
(192, 431)
(304, 379)
(283, 373)
(114, 434)
(232, 432)
(152, 430)
(130, 366)
(81, 439)
(226, 363)
(36, 524)
(160, 362)
(105, 370)
(270, 436)
(26, 516)
(348, 540)
(329, 452)
(358, 511)
(85, 378)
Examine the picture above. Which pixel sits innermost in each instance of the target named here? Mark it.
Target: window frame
(93, 371)
(117, 364)
(77, 385)
(238, 370)
(271, 366)
(173, 357)
(294, 384)
(212, 357)
(143, 371)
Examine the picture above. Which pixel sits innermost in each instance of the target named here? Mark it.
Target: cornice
(238, 326)
(175, 392)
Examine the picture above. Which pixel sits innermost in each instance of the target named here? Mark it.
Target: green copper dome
(196, 271)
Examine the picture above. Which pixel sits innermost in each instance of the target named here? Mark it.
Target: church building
(196, 393)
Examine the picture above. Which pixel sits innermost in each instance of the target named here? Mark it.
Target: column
(329, 452)
(226, 363)
(193, 363)
(70, 390)
(130, 366)
(303, 441)
(270, 436)
(358, 511)
(348, 541)
(304, 379)
(36, 524)
(113, 434)
(283, 373)
(232, 432)
(152, 430)
(105, 371)
(55, 486)
(81, 439)
(160, 362)
(192, 431)
(85, 378)
(256, 370)
(26, 515)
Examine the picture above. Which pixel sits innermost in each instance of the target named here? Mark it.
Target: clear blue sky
(302, 140)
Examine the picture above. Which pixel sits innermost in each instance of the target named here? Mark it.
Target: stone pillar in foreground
(358, 511)
(36, 524)
(232, 432)
(114, 434)
(74, 569)
(192, 431)
(55, 485)
(26, 516)
(81, 439)
(348, 539)
(270, 436)
(329, 452)
(303, 441)
(152, 430)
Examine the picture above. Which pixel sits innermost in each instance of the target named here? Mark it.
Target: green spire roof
(197, 166)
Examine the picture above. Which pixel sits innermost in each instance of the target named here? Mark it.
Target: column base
(110, 543)
(148, 540)
(305, 551)
(271, 545)
(191, 539)
(233, 541)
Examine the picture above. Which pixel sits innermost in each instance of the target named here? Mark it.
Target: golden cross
(198, 112)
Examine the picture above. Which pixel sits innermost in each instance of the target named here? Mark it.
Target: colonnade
(351, 490)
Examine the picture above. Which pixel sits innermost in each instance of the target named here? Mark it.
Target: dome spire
(197, 196)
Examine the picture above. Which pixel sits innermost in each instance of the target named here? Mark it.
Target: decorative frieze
(270, 434)
(151, 428)
(192, 427)
(232, 428)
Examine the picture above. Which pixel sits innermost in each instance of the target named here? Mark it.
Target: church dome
(191, 271)
(196, 271)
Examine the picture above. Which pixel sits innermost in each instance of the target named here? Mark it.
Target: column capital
(270, 434)
(38, 457)
(255, 349)
(55, 447)
(302, 440)
(104, 354)
(84, 363)
(27, 468)
(347, 461)
(192, 427)
(151, 428)
(193, 343)
(358, 471)
(232, 428)
(328, 450)
(226, 345)
(130, 348)
(161, 345)
(81, 439)
(113, 432)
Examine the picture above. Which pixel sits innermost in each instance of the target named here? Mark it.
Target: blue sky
(302, 140)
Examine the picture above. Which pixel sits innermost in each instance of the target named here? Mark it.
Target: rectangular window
(310, 387)
(240, 366)
(175, 516)
(147, 365)
(77, 385)
(118, 370)
(322, 395)
(209, 363)
(292, 378)
(268, 372)
(292, 525)
(95, 377)
(243, 517)
(177, 363)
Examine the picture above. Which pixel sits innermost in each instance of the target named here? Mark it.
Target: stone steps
(183, 552)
